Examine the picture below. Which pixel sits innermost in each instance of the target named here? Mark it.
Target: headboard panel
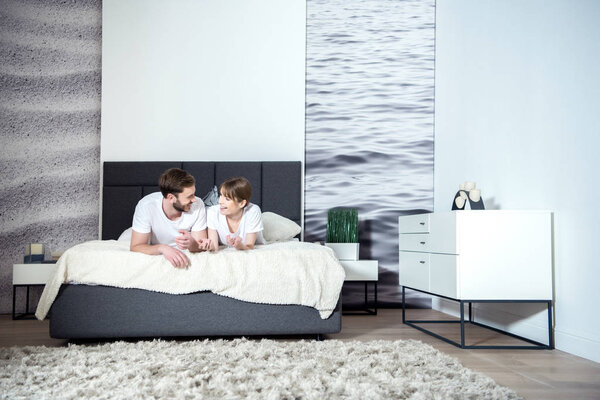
(276, 186)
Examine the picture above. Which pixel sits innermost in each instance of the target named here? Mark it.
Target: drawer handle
(422, 242)
(422, 262)
(421, 223)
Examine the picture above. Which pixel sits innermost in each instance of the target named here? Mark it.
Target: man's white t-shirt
(150, 217)
(251, 223)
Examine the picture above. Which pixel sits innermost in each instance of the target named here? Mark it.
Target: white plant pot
(345, 251)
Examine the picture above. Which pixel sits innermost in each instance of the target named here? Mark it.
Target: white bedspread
(281, 273)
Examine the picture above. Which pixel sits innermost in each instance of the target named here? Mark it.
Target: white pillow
(126, 235)
(277, 228)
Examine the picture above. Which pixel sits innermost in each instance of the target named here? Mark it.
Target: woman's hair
(174, 180)
(237, 188)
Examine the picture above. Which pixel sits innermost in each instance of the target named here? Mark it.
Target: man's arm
(139, 243)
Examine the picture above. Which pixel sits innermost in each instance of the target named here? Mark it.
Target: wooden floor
(533, 374)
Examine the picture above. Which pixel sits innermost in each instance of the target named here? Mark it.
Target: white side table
(26, 275)
(366, 271)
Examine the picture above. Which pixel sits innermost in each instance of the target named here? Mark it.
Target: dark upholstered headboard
(276, 187)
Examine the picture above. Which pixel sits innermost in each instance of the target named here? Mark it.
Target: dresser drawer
(413, 223)
(443, 275)
(414, 242)
(414, 270)
(438, 241)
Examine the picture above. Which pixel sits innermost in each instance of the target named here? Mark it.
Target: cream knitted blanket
(280, 273)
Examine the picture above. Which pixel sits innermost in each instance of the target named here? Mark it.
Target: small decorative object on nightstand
(34, 253)
(26, 275)
(342, 238)
(342, 233)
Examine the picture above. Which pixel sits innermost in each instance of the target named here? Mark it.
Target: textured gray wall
(50, 81)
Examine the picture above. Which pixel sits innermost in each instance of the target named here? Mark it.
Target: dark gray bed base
(84, 312)
(87, 312)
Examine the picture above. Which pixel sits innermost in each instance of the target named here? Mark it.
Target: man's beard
(177, 205)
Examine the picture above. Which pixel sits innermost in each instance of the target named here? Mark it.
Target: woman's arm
(199, 241)
(213, 235)
(250, 240)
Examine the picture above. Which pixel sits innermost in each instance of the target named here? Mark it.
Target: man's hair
(174, 180)
(237, 188)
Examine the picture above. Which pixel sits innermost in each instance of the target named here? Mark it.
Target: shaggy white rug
(241, 369)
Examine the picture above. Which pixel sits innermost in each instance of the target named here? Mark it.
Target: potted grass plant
(342, 232)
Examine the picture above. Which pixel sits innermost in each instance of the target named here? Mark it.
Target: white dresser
(478, 255)
(491, 254)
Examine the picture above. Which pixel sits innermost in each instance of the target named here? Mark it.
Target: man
(171, 221)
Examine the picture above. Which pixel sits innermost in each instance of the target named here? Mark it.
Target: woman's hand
(205, 244)
(236, 242)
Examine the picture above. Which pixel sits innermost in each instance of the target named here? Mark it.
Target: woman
(235, 221)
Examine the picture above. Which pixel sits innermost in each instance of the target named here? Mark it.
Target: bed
(82, 311)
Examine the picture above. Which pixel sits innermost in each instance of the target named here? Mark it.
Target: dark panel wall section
(119, 205)
(136, 173)
(204, 173)
(50, 85)
(249, 170)
(126, 181)
(276, 180)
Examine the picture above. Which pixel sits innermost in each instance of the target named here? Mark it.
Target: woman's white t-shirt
(251, 223)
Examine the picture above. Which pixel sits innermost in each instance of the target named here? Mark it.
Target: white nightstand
(29, 275)
(366, 271)
(483, 256)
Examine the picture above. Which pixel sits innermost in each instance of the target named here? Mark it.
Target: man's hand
(184, 240)
(204, 244)
(175, 257)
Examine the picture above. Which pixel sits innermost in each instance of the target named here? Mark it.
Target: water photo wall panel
(369, 120)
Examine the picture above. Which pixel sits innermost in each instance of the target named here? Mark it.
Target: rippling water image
(369, 118)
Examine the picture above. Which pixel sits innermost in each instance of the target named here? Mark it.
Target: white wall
(516, 107)
(203, 80)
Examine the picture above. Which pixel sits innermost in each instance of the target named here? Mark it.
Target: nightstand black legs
(26, 314)
(366, 310)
